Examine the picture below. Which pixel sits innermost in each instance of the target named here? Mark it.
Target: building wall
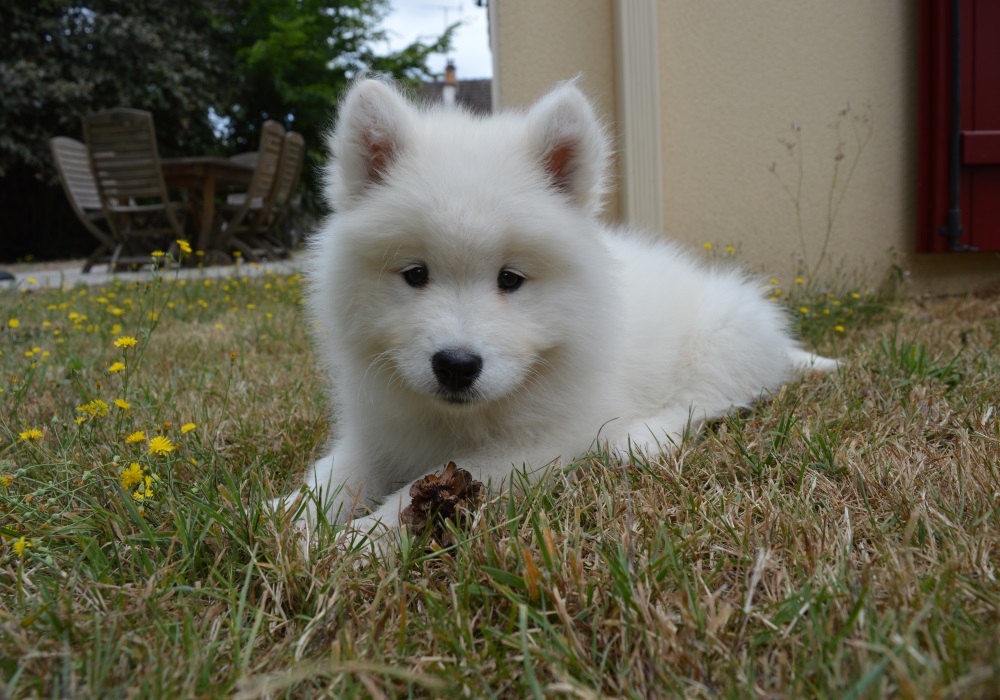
(736, 75)
(537, 44)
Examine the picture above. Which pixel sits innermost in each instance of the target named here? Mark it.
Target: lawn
(840, 540)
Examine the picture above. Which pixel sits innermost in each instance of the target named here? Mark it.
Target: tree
(62, 60)
(295, 57)
(210, 73)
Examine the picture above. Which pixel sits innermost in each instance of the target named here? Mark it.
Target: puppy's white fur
(611, 335)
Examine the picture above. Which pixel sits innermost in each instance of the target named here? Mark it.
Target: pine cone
(436, 498)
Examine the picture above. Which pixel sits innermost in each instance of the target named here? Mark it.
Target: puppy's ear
(372, 130)
(571, 145)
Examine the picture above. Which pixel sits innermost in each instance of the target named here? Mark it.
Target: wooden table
(203, 175)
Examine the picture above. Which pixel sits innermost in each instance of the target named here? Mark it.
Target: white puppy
(469, 306)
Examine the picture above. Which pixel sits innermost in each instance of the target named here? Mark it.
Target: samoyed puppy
(469, 306)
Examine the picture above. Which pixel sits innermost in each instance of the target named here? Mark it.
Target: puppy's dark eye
(509, 281)
(416, 276)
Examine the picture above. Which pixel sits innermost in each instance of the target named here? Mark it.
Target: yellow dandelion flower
(126, 341)
(19, 546)
(838, 328)
(855, 295)
(6, 480)
(145, 489)
(160, 445)
(773, 282)
(116, 367)
(799, 280)
(708, 246)
(184, 246)
(157, 253)
(730, 249)
(123, 404)
(138, 436)
(131, 476)
(14, 323)
(31, 434)
(804, 309)
(80, 420)
(187, 428)
(97, 408)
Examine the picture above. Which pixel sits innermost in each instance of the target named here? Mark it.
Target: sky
(425, 19)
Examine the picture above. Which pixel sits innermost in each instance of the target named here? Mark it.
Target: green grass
(838, 541)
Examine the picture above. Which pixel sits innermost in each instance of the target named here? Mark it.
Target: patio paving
(67, 274)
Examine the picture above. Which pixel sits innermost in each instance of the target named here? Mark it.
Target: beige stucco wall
(537, 43)
(735, 75)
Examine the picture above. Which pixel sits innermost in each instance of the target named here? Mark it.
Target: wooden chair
(289, 170)
(72, 162)
(244, 214)
(126, 167)
(266, 230)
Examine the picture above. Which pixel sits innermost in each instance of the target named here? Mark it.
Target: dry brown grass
(841, 540)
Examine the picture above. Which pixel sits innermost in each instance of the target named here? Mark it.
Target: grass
(841, 540)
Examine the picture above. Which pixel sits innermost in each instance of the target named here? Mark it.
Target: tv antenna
(445, 9)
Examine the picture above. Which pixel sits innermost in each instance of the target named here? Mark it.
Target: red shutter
(979, 150)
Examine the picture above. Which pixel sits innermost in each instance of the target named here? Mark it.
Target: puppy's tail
(803, 362)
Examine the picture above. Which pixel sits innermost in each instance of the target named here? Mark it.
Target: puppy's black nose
(456, 369)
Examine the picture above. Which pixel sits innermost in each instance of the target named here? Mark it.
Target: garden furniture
(125, 164)
(72, 161)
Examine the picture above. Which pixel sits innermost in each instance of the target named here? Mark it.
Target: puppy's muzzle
(456, 369)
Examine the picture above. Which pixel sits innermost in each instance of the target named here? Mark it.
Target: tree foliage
(294, 58)
(210, 72)
(63, 60)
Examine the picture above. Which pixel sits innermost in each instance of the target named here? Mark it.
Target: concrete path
(68, 274)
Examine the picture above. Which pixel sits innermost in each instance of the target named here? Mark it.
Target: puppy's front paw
(370, 537)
